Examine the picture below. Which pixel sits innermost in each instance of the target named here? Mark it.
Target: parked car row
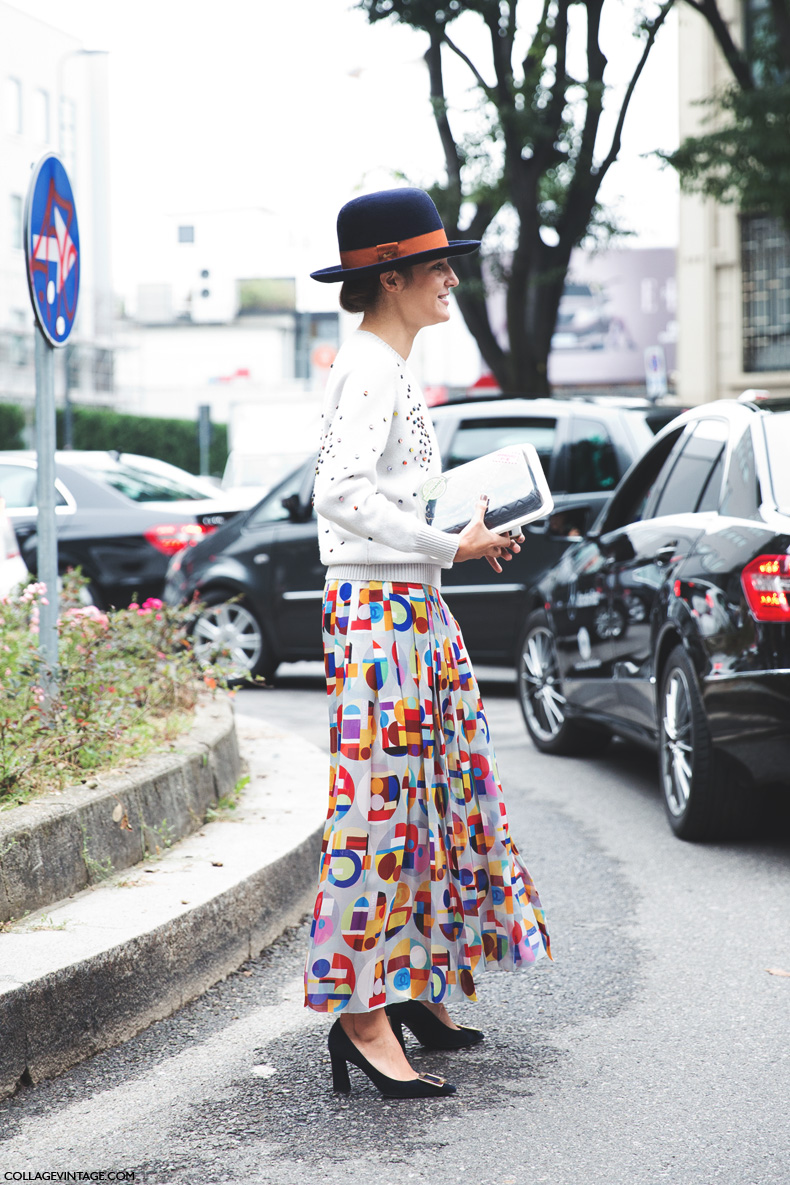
(120, 517)
(653, 604)
(262, 577)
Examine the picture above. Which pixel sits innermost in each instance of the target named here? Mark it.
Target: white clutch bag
(513, 480)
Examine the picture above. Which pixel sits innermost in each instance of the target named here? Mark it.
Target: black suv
(261, 577)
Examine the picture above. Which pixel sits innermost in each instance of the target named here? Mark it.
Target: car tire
(542, 700)
(226, 633)
(700, 795)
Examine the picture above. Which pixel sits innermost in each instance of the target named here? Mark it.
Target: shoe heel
(340, 1080)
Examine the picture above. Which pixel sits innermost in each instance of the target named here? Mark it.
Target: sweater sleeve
(346, 490)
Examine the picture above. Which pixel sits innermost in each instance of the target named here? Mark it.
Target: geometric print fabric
(420, 884)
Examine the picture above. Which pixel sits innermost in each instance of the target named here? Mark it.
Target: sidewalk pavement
(92, 971)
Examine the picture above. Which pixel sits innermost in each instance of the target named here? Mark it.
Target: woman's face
(425, 298)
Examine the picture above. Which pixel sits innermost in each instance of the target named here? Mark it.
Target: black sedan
(262, 580)
(669, 622)
(117, 520)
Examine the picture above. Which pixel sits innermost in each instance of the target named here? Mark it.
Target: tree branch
(558, 95)
(452, 157)
(536, 51)
(481, 82)
(736, 60)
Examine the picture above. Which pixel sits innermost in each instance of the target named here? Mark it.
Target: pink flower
(152, 603)
(134, 605)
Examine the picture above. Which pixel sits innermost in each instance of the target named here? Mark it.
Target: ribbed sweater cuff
(438, 545)
(430, 574)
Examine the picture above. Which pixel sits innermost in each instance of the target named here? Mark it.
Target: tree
(745, 156)
(536, 161)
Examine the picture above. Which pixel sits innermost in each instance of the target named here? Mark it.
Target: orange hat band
(383, 252)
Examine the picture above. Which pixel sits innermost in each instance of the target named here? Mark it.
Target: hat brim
(331, 275)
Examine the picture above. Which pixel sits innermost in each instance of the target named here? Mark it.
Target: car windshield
(777, 438)
(140, 486)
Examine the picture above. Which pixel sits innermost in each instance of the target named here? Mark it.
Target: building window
(186, 234)
(13, 106)
(765, 262)
(40, 114)
(16, 221)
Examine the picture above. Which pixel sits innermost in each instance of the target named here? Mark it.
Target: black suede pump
(428, 1029)
(343, 1051)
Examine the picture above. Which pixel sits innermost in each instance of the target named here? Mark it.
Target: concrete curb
(97, 969)
(58, 844)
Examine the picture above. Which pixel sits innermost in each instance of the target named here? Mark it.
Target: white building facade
(733, 269)
(53, 98)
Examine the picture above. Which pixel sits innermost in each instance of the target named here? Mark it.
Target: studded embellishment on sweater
(376, 451)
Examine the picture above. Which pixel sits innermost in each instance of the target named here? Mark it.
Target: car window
(633, 495)
(18, 486)
(711, 495)
(475, 438)
(741, 497)
(777, 440)
(693, 468)
(141, 486)
(592, 457)
(271, 509)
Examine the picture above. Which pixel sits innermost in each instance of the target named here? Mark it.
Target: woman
(420, 883)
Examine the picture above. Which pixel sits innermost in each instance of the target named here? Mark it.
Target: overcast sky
(295, 106)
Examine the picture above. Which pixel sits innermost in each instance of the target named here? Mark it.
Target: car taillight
(172, 537)
(766, 583)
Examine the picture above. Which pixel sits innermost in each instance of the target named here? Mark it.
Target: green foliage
(747, 160)
(12, 424)
(170, 440)
(126, 682)
(743, 156)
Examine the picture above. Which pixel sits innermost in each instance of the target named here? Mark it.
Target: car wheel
(699, 795)
(227, 634)
(542, 699)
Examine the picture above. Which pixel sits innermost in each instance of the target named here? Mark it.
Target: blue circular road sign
(52, 249)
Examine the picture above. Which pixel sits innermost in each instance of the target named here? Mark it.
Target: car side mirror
(617, 547)
(570, 524)
(293, 504)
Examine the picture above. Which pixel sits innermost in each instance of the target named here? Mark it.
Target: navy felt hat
(392, 226)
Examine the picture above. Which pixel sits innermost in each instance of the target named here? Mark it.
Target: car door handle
(665, 554)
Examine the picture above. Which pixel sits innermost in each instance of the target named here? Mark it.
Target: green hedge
(175, 441)
(12, 423)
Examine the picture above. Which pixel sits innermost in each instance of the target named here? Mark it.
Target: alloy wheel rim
(541, 690)
(228, 636)
(677, 748)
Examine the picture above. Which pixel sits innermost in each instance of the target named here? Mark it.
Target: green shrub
(175, 441)
(12, 424)
(126, 681)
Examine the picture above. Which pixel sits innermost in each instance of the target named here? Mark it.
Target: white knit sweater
(377, 449)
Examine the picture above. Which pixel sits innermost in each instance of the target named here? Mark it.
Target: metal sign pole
(52, 263)
(47, 539)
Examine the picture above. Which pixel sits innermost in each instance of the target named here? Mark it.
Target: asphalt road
(655, 1049)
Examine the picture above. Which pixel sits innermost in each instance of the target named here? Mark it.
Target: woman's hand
(476, 542)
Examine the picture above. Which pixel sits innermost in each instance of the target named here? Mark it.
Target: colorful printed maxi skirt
(420, 883)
